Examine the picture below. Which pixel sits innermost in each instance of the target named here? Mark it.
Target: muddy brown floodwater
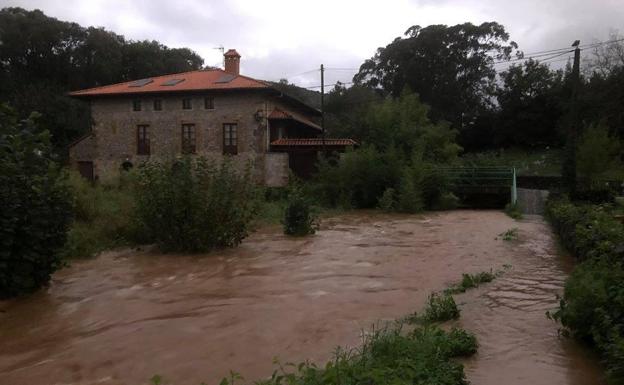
(125, 316)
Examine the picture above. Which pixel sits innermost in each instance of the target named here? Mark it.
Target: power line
(328, 85)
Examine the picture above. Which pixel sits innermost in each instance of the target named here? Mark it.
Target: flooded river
(125, 316)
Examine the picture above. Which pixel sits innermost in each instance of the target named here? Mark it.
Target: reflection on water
(125, 316)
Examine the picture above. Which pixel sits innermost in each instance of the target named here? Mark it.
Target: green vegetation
(103, 216)
(513, 210)
(194, 205)
(471, 281)
(592, 305)
(36, 206)
(544, 162)
(440, 308)
(509, 235)
(389, 355)
(598, 156)
(299, 220)
(398, 173)
(43, 58)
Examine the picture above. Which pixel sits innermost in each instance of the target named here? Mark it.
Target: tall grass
(103, 216)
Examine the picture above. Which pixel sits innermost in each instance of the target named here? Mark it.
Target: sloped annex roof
(281, 114)
(192, 81)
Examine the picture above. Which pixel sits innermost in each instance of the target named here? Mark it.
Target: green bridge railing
(482, 179)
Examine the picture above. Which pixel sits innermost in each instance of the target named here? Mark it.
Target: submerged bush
(471, 281)
(440, 308)
(36, 206)
(299, 220)
(513, 210)
(193, 205)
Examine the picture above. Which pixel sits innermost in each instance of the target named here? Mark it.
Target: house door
(85, 168)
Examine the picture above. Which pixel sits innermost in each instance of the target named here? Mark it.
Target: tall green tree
(450, 67)
(529, 99)
(42, 58)
(36, 206)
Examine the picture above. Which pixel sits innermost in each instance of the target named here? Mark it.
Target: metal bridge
(484, 180)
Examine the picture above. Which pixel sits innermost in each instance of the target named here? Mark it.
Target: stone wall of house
(83, 149)
(115, 129)
(114, 138)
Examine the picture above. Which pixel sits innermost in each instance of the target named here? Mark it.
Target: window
(136, 105)
(157, 105)
(188, 139)
(143, 141)
(230, 139)
(186, 104)
(209, 103)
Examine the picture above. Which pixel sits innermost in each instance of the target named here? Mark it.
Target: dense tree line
(454, 70)
(42, 58)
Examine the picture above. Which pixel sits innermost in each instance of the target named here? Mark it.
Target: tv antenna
(222, 49)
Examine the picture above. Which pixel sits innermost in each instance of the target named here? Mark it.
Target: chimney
(232, 62)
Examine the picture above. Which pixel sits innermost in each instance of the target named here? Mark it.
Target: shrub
(409, 195)
(299, 220)
(193, 205)
(440, 308)
(436, 186)
(357, 179)
(470, 281)
(598, 155)
(387, 201)
(513, 210)
(36, 206)
(592, 306)
(509, 235)
(447, 201)
(103, 216)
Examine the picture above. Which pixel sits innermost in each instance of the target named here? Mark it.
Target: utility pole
(323, 107)
(568, 171)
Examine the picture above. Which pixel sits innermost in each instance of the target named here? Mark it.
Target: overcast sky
(283, 38)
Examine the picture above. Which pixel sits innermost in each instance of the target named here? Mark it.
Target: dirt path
(121, 318)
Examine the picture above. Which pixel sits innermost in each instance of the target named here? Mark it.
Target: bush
(598, 156)
(103, 216)
(36, 206)
(592, 306)
(471, 281)
(440, 308)
(387, 202)
(193, 205)
(447, 201)
(356, 179)
(298, 217)
(513, 210)
(410, 194)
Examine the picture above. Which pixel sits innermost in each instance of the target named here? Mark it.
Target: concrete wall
(276, 169)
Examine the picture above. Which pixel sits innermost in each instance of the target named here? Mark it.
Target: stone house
(211, 113)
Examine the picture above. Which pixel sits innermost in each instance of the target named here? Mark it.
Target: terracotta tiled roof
(281, 114)
(214, 79)
(313, 142)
